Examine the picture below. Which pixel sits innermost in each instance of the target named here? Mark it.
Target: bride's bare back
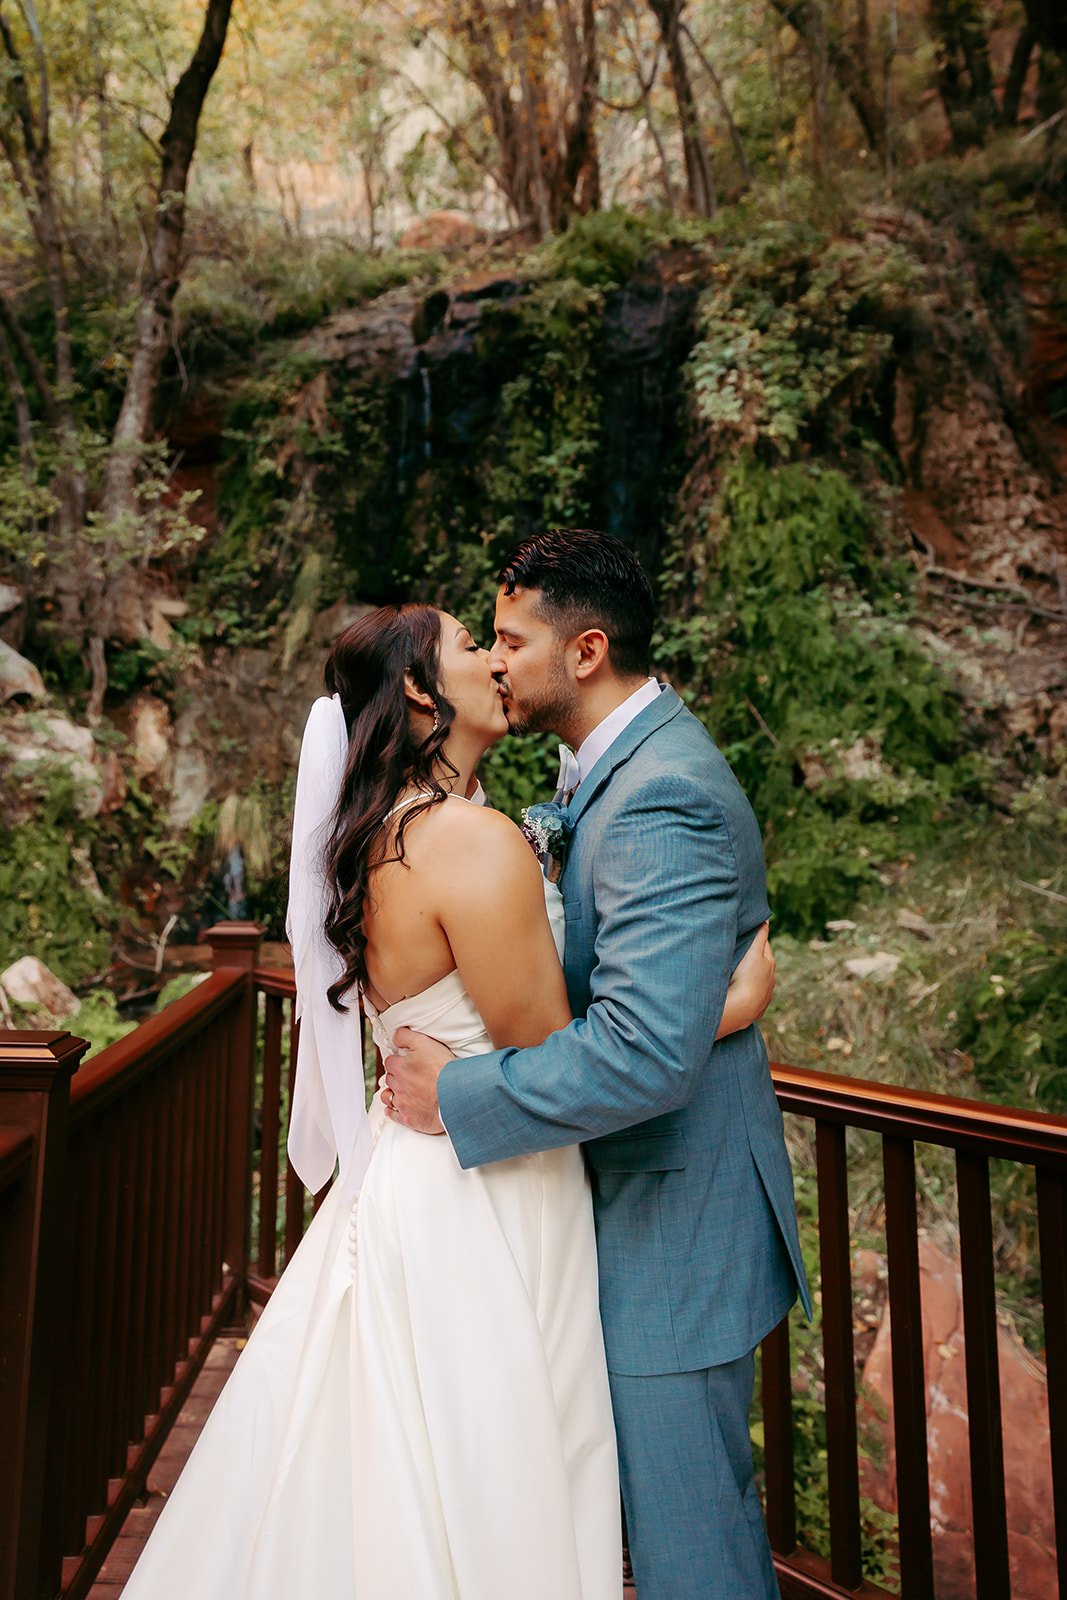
(468, 895)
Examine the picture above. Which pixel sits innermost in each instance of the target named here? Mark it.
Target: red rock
(1027, 1460)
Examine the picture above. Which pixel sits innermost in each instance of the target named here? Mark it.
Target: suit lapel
(632, 737)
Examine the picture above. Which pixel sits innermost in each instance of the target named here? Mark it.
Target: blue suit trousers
(693, 1516)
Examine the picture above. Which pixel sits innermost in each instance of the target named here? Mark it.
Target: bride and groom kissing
(485, 1333)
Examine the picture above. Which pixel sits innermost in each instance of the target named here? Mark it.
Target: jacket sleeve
(666, 901)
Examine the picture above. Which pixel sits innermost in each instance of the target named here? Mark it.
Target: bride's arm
(490, 902)
(751, 987)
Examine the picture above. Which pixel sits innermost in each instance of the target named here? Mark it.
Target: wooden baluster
(846, 1562)
(183, 1090)
(271, 1117)
(35, 1073)
(171, 1234)
(99, 1396)
(158, 1267)
(294, 1189)
(236, 944)
(195, 1196)
(777, 1394)
(140, 1223)
(909, 1384)
(128, 1156)
(72, 1483)
(216, 1156)
(989, 1511)
(1052, 1225)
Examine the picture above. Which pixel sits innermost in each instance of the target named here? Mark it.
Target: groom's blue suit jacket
(664, 888)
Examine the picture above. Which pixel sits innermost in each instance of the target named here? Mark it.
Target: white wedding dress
(422, 1411)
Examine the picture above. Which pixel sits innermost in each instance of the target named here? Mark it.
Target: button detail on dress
(353, 1231)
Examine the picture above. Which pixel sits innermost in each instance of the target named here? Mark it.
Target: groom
(664, 889)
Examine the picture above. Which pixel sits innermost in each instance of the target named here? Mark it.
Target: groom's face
(529, 661)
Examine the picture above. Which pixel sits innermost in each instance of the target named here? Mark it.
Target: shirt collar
(603, 736)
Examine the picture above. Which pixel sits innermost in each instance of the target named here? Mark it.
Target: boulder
(46, 741)
(440, 230)
(1027, 1458)
(19, 678)
(882, 964)
(11, 597)
(190, 775)
(28, 982)
(160, 609)
(149, 732)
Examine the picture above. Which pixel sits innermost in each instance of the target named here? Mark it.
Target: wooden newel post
(236, 944)
(35, 1074)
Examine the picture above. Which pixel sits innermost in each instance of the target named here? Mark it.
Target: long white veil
(328, 1120)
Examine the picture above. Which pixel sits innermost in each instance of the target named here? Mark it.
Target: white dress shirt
(573, 769)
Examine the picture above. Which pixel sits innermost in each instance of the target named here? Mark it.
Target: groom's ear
(592, 647)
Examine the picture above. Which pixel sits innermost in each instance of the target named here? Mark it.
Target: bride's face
(467, 683)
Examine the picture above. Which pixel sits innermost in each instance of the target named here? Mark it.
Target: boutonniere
(547, 830)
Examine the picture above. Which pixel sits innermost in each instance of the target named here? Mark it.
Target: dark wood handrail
(117, 1068)
(1013, 1132)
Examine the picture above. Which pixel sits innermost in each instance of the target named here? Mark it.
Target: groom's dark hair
(588, 580)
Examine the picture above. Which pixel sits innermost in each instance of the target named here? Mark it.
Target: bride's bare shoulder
(465, 837)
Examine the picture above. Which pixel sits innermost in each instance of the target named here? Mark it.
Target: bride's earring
(436, 720)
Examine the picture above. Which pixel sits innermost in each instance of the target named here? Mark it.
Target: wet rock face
(649, 329)
(431, 369)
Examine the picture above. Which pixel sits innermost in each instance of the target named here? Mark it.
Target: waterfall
(233, 881)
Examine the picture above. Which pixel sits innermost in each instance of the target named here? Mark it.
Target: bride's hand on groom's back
(751, 987)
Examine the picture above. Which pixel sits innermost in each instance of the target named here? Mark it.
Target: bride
(422, 1411)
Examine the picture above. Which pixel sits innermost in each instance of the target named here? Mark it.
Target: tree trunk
(965, 77)
(1013, 83)
(851, 71)
(701, 190)
(162, 271)
(724, 106)
(70, 486)
(581, 163)
(23, 419)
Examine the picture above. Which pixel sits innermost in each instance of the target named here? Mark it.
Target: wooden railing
(977, 1133)
(135, 1215)
(124, 1201)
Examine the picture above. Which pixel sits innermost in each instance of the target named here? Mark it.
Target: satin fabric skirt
(422, 1411)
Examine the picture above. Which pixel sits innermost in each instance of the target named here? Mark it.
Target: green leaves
(845, 735)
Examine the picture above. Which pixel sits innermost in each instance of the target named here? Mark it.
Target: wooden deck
(164, 1475)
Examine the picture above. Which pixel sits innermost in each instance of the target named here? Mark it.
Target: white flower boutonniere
(547, 830)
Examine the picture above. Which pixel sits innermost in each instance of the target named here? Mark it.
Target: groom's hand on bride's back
(410, 1093)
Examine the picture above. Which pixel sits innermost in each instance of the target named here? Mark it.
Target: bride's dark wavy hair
(366, 667)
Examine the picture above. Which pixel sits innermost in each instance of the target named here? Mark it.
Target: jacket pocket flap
(631, 1152)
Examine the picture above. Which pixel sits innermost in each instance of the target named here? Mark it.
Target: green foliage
(278, 434)
(604, 249)
(845, 736)
(545, 446)
(50, 906)
(97, 1019)
(520, 771)
(1013, 1018)
(272, 286)
(794, 321)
